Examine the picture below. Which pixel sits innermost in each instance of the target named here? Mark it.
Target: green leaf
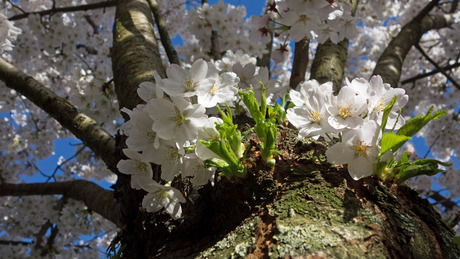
(430, 161)
(263, 101)
(420, 167)
(417, 123)
(386, 113)
(391, 140)
(227, 118)
(253, 106)
(215, 162)
(404, 158)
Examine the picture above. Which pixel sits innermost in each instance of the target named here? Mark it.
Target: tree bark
(135, 56)
(135, 53)
(303, 207)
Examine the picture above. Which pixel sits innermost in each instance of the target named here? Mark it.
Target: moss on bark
(303, 207)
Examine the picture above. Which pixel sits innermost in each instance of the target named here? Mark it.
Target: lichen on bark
(302, 207)
(319, 210)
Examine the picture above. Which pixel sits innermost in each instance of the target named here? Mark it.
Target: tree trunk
(304, 207)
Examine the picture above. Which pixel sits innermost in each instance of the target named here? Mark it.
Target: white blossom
(161, 196)
(358, 149)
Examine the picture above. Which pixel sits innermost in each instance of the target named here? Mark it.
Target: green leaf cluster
(400, 171)
(228, 147)
(265, 128)
(408, 170)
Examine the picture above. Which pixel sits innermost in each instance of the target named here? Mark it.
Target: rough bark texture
(303, 207)
(329, 63)
(135, 52)
(135, 56)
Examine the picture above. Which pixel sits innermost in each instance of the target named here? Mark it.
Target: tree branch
(68, 9)
(82, 126)
(447, 203)
(135, 53)
(329, 63)
(164, 35)
(435, 71)
(390, 63)
(95, 197)
(330, 60)
(44, 229)
(300, 63)
(452, 80)
(14, 243)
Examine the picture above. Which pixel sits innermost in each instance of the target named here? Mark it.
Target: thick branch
(68, 9)
(390, 62)
(331, 59)
(329, 63)
(299, 65)
(215, 47)
(135, 52)
(82, 126)
(95, 198)
(164, 35)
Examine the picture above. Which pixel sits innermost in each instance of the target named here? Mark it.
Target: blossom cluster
(165, 129)
(8, 33)
(354, 115)
(316, 19)
(228, 22)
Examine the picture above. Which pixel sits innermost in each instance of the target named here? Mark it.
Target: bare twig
(440, 199)
(67, 9)
(452, 80)
(14, 243)
(92, 24)
(433, 72)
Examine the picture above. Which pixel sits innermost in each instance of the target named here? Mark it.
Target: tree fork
(390, 63)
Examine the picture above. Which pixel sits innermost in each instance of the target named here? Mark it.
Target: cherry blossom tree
(274, 135)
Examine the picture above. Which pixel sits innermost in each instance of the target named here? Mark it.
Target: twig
(92, 24)
(431, 146)
(440, 199)
(67, 9)
(452, 80)
(433, 72)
